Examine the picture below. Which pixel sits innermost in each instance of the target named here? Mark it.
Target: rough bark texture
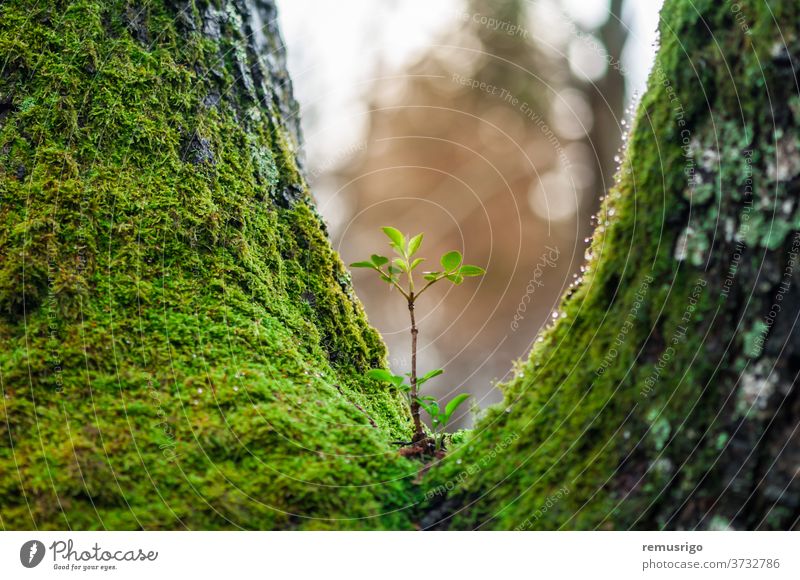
(665, 394)
(180, 345)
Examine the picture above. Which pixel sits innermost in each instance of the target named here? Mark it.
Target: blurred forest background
(400, 131)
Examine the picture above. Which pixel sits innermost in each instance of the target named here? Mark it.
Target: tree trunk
(665, 395)
(181, 346)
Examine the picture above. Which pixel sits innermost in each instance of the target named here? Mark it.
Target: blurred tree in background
(495, 143)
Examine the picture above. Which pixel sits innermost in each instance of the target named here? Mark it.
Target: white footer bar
(400, 555)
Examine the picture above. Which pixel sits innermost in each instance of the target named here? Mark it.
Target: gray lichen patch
(757, 384)
(784, 164)
(692, 245)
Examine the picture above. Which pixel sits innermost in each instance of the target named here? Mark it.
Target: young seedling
(399, 273)
(440, 418)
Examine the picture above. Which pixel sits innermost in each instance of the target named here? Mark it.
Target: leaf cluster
(404, 263)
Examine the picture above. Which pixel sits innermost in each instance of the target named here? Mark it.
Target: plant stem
(419, 434)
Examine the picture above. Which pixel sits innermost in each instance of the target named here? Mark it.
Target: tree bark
(181, 347)
(665, 395)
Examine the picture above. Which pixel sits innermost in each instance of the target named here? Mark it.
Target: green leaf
(386, 279)
(451, 260)
(379, 260)
(394, 270)
(387, 377)
(471, 271)
(455, 278)
(398, 240)
(362, 265)
(414, 244)
(416, 263)
(428, 376)
(432, 407)
(381, 375)
(453, 405)
(431, 275)
(402, 264)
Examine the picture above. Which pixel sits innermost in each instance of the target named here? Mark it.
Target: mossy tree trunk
(180, 345)
(666, 393)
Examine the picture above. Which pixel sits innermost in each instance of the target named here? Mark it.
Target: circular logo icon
(31, 553)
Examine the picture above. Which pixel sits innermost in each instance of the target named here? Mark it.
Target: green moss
(753, 339)
(182, 347)
(628, 385)
(659, 429)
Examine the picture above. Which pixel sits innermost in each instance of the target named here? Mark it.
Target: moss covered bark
(665, 395)
(180, 345)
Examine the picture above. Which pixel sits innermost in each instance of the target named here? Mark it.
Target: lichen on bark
(664, 395)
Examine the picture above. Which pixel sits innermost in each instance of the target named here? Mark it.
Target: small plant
(394, 272)
(440, 418)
